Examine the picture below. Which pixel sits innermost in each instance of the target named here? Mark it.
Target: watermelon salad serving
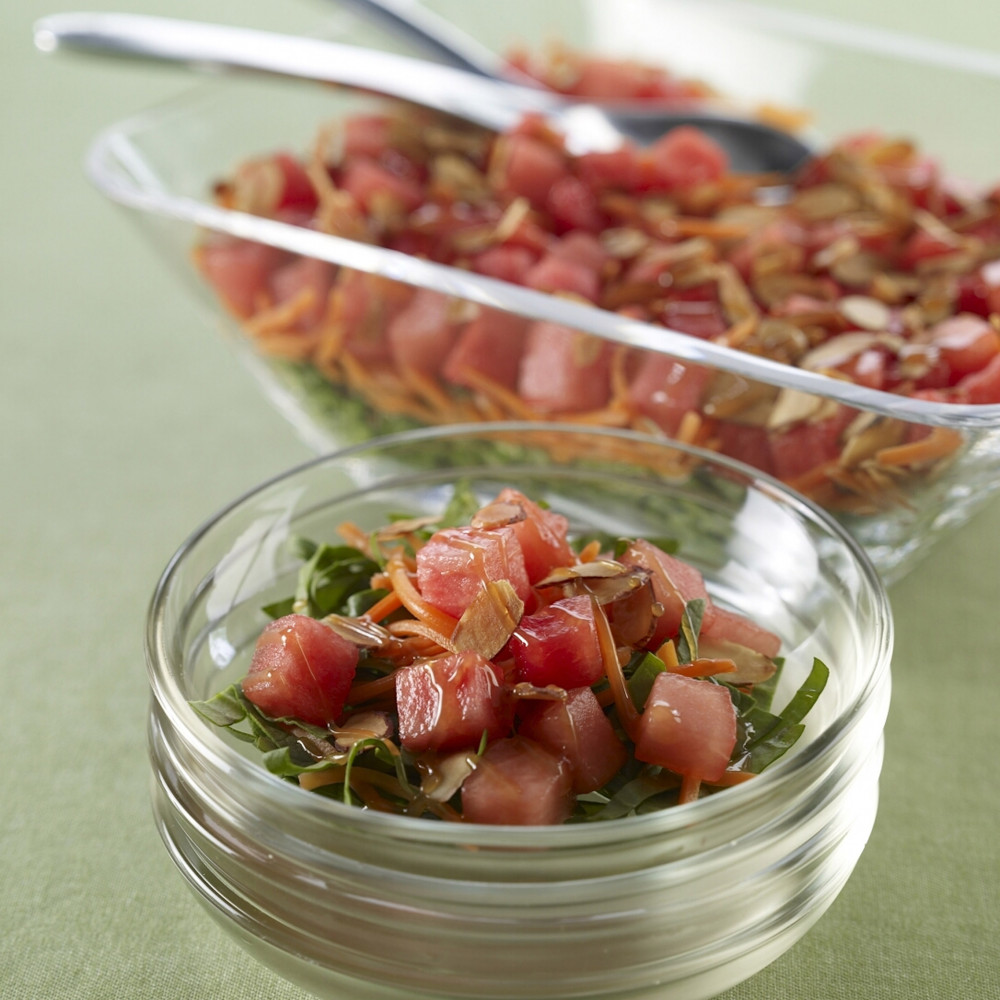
(869, 265)
(484, 666)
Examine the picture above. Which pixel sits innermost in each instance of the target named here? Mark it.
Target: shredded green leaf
(687, 641)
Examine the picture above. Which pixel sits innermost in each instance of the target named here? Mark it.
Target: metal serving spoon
(752, 146)
(436, 36)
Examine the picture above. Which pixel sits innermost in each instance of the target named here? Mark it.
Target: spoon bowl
(753, 147)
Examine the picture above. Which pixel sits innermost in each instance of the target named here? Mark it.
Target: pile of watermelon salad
(870, 265)
(483, 665)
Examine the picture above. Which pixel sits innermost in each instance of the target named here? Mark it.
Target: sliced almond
(865, 312)
(489, 621)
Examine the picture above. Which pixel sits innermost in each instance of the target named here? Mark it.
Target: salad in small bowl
(510, 709)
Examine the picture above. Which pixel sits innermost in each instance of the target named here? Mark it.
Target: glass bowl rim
(211, 748)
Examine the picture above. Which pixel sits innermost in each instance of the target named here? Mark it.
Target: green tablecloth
(125, 423)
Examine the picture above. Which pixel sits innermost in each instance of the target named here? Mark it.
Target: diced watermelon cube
(455, 563)
(675, 583)
(422, 334)
(517, 782)
(448, 703)
(362, 307)
(618, 168)
(369, 181)
(542, 536)
(239, 271)
(301, 669)
(300, 275)
(578, 731)
(573, 206)
(664, 390)
(582, 248)
(554, 273)
(524, 165)
(688, 726)
(558, 645)
(967, 343)
(508, 263)
(801, 447)
(564, 370)
(684, 157)
(982, 386)
(491, 344)
(726, 625)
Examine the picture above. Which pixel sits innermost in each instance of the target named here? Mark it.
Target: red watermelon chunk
(305, 274)
(448, 703)
(491, 344)
(525, 166)
(578, 731)
(239, 271)
(573, 206)
(454, 563)
(508, 263)
(301, 669)
(555, 273)
(688, 726)
(684, 157)
(542, 536)
(362, 307)
(967, 343)
(423, 333)
(797, 449)
(564, 370)
(664, 390)
(675, 583)
(369, 182)
(558, 645)
(517, 782)
(726, 625)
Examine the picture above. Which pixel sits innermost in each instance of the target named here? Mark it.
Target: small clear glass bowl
(850, 79)
(674, 905)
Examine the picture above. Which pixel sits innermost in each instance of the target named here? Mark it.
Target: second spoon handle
(491, 103)
(433, 34)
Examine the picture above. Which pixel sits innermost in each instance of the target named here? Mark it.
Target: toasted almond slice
(498, 514)
(793, 406)
(751, 667)
(360, 631)
(489, 621)
(865, 312)
(441, 777)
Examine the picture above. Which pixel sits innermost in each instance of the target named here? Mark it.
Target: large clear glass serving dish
(895, 497)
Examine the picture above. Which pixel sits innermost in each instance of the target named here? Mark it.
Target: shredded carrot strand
(705, 667)
(605, 698)
(367, 690)
(730, 778)
(384, 607)
(412, 600)
(690, 789)
(431, 638)
(668, 653)
(628, 715)
(354, 536)
(940, 442)
(590, 551)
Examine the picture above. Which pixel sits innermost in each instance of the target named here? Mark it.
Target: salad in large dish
(870, 265)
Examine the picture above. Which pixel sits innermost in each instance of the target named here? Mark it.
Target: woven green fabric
(125, 423)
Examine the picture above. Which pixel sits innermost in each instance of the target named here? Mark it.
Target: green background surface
(126, 422)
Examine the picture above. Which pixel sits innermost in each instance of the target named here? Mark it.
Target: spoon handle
(199, 45)
(435, 35)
